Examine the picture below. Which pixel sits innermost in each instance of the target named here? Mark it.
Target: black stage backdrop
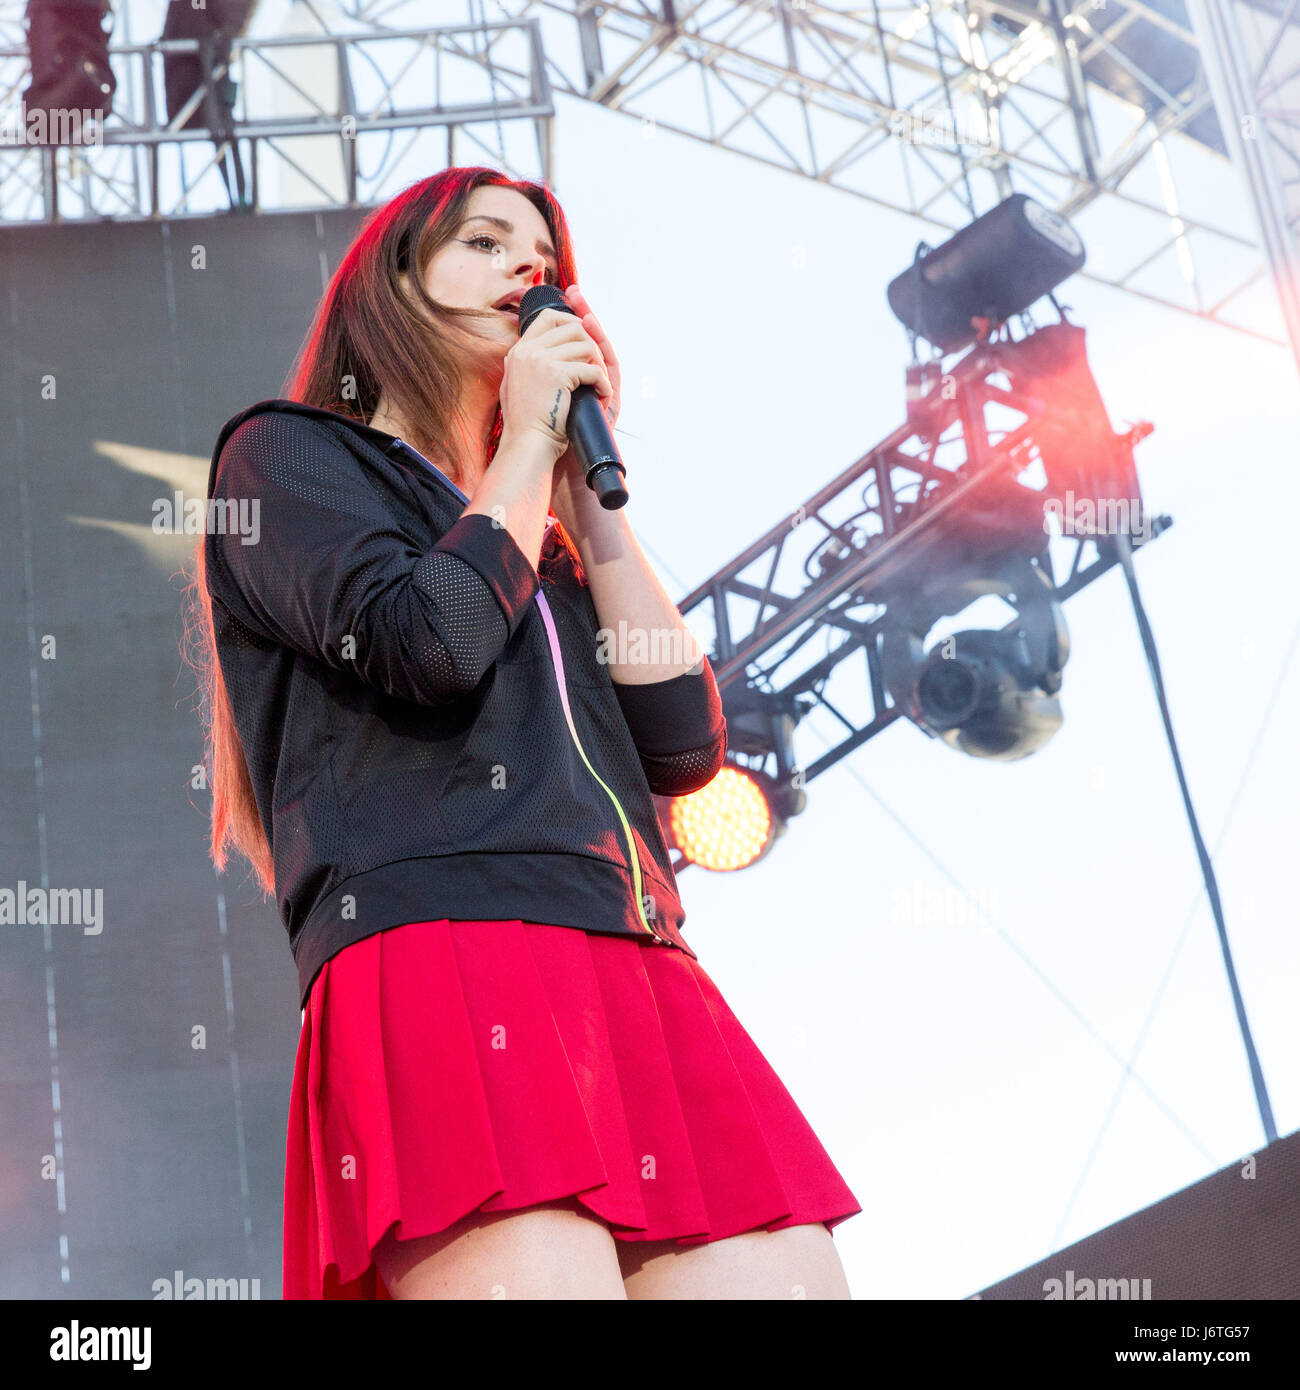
(146, 1049)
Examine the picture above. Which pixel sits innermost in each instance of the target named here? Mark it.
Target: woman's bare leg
(796, 1262)
(558, 1250)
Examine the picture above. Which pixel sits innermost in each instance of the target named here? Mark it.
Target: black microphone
(587, 428)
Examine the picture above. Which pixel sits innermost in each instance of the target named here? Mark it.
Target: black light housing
(989, 693)
(214, 25)
(733, 821)
(990, 270)
(68, 47)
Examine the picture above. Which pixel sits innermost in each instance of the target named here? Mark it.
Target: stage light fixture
(214, 25)
(734, 821)
(185, 75)
(989, 693)
(987, 272)
(68, 47)
(729, 824)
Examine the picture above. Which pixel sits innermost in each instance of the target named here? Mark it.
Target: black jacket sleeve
(332, 575)
(678, 728)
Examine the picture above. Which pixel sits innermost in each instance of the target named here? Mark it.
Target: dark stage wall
(1230, 1236)
(128, 1152)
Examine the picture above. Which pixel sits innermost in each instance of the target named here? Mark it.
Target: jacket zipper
(553, 638)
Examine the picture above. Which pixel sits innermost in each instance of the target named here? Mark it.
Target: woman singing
(513, 1078)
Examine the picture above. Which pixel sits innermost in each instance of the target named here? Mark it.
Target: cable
(1178, 946)
(1207, 868)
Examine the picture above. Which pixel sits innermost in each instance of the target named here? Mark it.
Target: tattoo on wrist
(555, 407)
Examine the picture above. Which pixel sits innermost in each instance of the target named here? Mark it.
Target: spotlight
(730, 824)
(986, 692)
(185, 73)
(735, 820)
(70, 69)
(994, 268)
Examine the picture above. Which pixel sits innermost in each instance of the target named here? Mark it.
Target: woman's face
(485, 262)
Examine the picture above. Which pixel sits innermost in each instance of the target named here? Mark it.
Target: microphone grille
(538, 298)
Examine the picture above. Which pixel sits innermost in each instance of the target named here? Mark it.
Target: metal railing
(310, 112)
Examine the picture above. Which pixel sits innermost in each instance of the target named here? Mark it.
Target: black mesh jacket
(427, 724)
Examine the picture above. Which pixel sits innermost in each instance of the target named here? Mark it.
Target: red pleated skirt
(447, 1067)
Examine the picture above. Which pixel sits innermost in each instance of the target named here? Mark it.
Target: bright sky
(990, 1089)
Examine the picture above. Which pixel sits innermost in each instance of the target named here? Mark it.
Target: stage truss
(1101, 110)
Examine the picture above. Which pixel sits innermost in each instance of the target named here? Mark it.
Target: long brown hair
(365, 323)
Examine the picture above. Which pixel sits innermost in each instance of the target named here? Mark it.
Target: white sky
(990, 1092)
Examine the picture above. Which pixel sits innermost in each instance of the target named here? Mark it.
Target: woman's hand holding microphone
(540, 373)
(559, 353)
(533, 467)
(550, 361)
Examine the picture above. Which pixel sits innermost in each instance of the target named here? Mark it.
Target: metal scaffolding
(311, 110)
(797, 621)
(1102, 110)
(1254, 71)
